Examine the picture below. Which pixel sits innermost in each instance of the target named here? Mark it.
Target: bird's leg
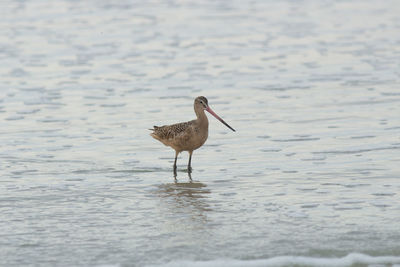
(176, 156)
(190, 161)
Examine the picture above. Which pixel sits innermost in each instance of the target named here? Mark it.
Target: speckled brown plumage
(185, 136)
(168, 132)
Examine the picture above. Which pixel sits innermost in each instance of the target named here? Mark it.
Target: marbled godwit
(187, 136)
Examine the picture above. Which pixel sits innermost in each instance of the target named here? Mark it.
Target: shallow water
(311, 87)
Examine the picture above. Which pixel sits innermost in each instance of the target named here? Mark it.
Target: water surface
(312, 172)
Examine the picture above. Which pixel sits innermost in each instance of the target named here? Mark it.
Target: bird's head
(202, 102)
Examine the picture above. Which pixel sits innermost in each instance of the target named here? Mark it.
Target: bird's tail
(154, 128)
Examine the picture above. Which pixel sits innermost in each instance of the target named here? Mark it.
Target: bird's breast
(199, 137)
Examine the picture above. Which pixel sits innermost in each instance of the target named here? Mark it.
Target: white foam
(349, 260)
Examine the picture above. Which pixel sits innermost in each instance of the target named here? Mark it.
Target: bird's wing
(172, 131)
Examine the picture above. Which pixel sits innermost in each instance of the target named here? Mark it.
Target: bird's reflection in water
(184, 204)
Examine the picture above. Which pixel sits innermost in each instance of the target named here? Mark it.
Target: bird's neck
(201, 117)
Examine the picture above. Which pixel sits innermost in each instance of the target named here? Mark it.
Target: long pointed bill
(221, 120)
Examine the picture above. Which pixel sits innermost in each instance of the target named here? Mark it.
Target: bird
(187, 136)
